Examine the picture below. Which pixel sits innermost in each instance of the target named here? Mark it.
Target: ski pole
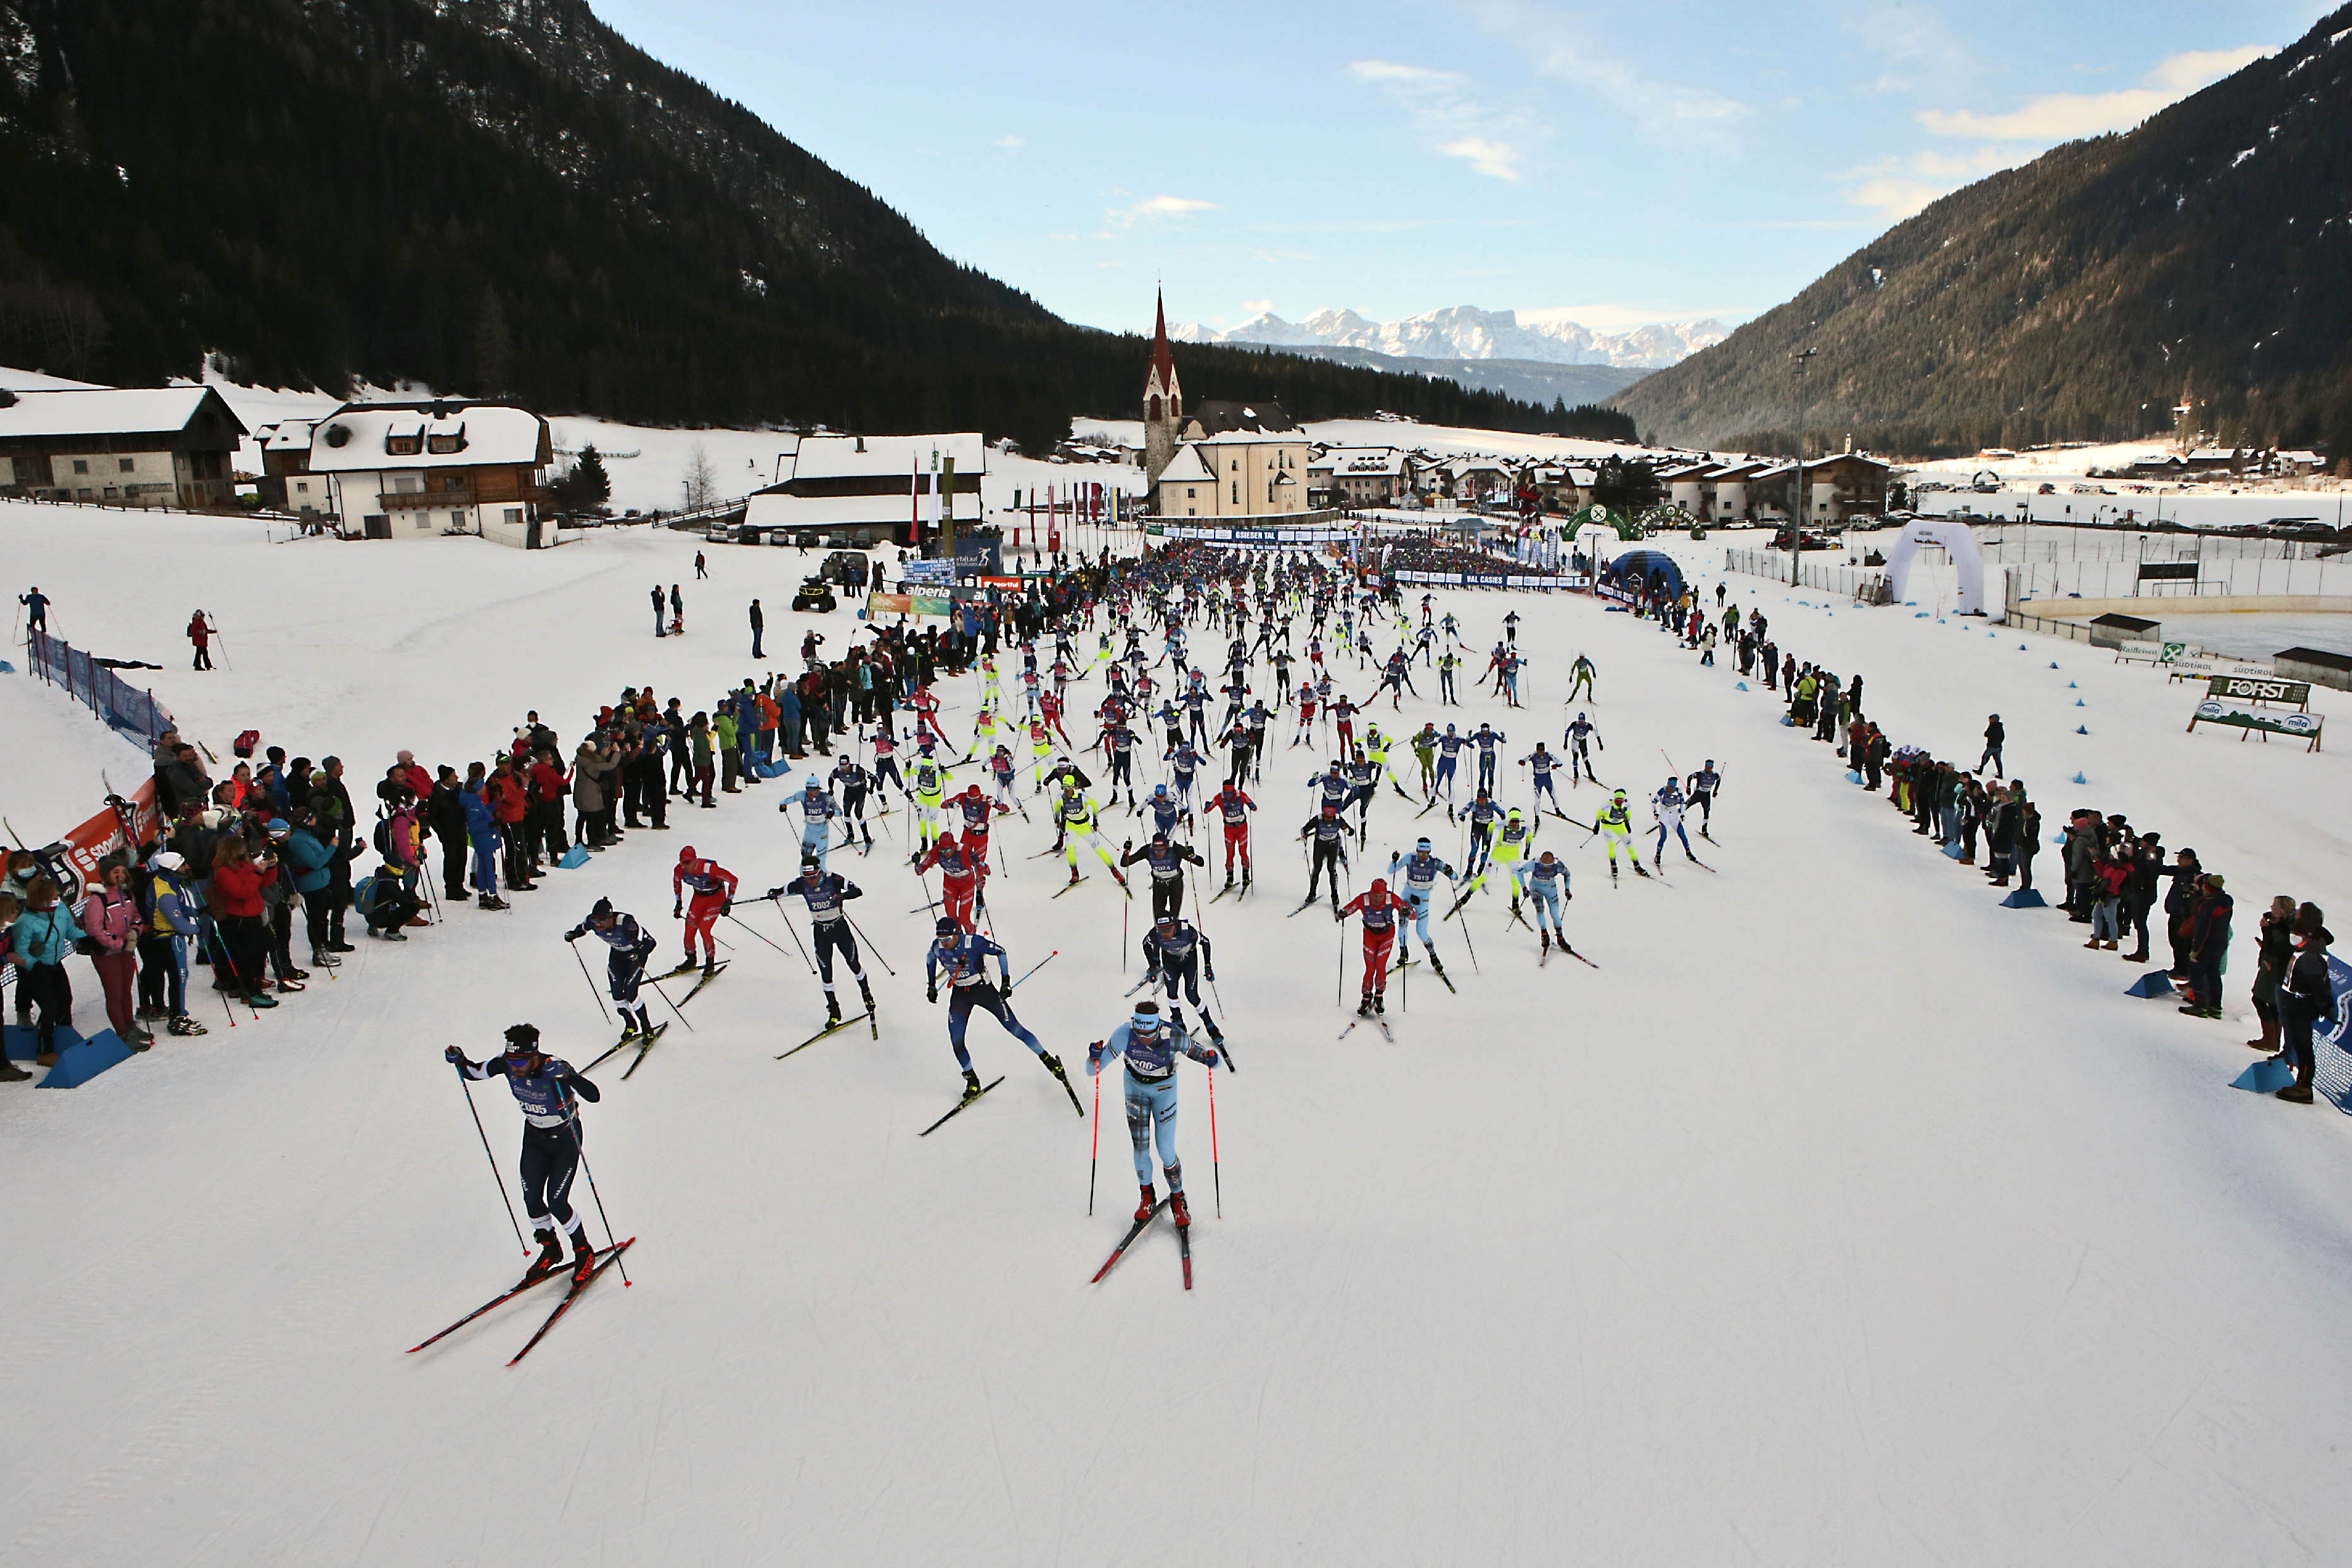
(507, 1202)
(756, 934)
(870, 947)
(601, 1008)
(1216, 1176)
(589, 1172)
(788, 932)
(221, 961)
(1094, 1155)
(1471, 945)
(672, 1007)
(1032, 970)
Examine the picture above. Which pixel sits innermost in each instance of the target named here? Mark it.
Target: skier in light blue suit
(1151, 1045)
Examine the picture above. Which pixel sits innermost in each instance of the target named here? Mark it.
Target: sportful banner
(2264, 720)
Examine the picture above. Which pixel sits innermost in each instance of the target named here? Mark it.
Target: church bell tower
(1164, 400)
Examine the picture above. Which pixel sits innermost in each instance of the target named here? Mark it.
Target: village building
(166, 445)
(1221, 460)
(854, 490)
(412, 470)
(1361, 476)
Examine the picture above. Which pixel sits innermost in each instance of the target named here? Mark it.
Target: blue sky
(1618, 164)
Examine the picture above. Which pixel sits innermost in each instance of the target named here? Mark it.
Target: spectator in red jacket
(235, 897)
(510, 804)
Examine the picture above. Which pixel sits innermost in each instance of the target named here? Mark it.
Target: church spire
(1164, 360)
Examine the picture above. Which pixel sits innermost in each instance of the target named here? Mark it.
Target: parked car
(847, 567)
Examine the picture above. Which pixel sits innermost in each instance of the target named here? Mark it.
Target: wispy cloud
(1894, 188)
(1560, 49)
(2066, 116)
(1444, 106)
(1010, 142)
(1117, 219)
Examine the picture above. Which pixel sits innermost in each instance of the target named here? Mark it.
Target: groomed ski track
(1843, 1218)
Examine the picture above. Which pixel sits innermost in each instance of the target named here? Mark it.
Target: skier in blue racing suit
(1152, 1045)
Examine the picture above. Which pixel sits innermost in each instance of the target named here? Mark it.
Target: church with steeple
(1224, 458)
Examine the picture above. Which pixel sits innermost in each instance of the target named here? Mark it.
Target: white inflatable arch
(1954, 537)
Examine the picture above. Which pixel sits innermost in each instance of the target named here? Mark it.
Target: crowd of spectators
(2116, 877)
(238, 859)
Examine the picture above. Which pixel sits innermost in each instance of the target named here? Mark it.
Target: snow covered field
(1840, 1217)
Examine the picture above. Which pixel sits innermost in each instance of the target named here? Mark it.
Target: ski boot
(832, 1009)
(259, 999)
(583, 1254)
(1364, 1007)
(628, 1028)
(1639, 870)
(1176, 1207)
(185, 1025)
(1543, 940)
(866, 994)
(1380, 1002)
(1053, 1064)
(1151, 1201)
(551, 1253)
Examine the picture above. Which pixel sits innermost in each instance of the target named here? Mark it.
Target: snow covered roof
(358, 436)
(774, 508)
(286, 435)
(1365, 461)
(1187, 467)
(1290, 438)
(831, 457)
(109, 411)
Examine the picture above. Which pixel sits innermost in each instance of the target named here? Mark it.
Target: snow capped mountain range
(1464, 331)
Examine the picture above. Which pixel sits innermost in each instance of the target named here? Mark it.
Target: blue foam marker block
(2079, 703)
(2077, 779)
(861, 615)
(1920, 616)
(1788, 719)
(2070, 686)
(2082, 730)
(1910, 603)
(2267, 1075)
(7, 668)
(2154, 983)
(1740, 686)
(574, 858)
(86, 1060)
(1852, 777)
(2053, 664)
(25, 1044)
(1953, 850)
(2025, 899)
(2021, 647)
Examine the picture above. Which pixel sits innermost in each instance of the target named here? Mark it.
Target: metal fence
(131, 709)
(1866, 583)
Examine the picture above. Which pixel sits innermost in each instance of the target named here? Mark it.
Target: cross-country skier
(1581, 732)
(1234, 807)
(1545, 764)
(625, 966)
(1166, 861)
(1077, 823)
(548, 1089)
(850, 777)
(1330, 840)
(714, 895)
(1380, 909)
(1669, 805)
(1615, 826)
(1176, 955)
(817, 811)
(1547, 886)
(827, 895)
(959, 875)
(1449, 757)
(1487, 739)
(1420, 872)
(964, 956)
(1151, 1047)
(1482, 814)
(1579, 678)
(1704, 786)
